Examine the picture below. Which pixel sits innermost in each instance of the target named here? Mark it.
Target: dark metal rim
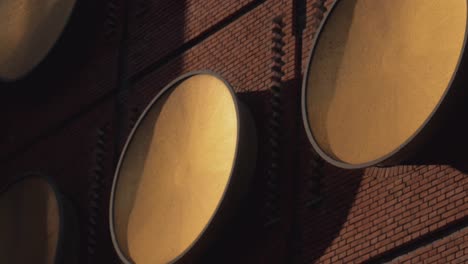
(61, 237)
(44, 57)
(167, 88)
(393, 154)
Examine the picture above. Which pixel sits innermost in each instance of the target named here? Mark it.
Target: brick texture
(401, 214)
(450, 249)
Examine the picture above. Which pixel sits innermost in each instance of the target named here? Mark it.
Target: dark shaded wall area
(71, 126)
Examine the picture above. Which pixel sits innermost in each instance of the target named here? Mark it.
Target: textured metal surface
(183, 154)
(361, 115)
(37, 219)
(29, 29)
(359, 215)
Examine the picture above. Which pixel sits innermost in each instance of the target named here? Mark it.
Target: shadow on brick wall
(246, 239)
(319, 225)
(447, 144)
(132, 96)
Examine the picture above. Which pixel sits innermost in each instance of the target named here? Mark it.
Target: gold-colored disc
(28, 30)
(29, 223)
(175, 170)
(379, 70)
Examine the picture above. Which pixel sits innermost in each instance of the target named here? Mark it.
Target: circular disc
(28, 30)
(29, 223)
(378, 71)
(175, 170)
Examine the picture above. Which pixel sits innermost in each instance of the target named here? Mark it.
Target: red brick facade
(72, 127)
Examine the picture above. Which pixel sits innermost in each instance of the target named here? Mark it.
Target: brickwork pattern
(378, 214)
(403, 214)
(450, 249)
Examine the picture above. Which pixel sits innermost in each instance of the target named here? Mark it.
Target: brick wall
(402, 214)
(72, 127)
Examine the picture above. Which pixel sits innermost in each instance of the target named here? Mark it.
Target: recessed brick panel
(159, 27)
